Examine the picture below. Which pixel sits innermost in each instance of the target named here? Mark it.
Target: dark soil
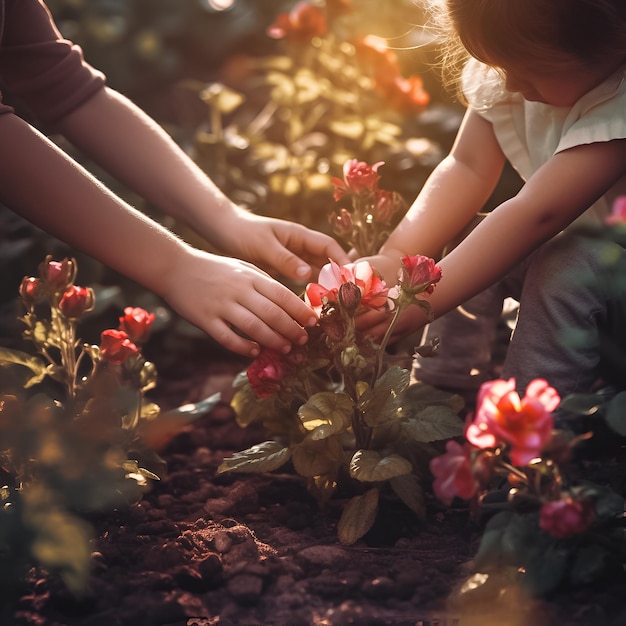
(203, 548)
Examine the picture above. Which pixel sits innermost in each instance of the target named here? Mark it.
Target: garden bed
(203, 548)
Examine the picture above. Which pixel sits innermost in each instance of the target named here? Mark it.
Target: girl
(43, 184)
(544, 80)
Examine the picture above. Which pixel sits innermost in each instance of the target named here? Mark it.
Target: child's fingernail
(303, 340)
(312, 321)
(303, 270)
(255, 352)
(286, 349)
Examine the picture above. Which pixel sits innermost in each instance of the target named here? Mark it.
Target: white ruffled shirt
(530, 133)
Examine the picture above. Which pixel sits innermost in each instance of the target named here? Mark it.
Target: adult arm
(41, 183)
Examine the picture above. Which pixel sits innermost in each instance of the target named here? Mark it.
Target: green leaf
(581, 403)
(370, 466)
(358, 516)
(249, 408)
(616, 413)
(545, 569)
(326, 413)
(409, 489)
(262, 457)
(490, 550)
(382, 404)
(590, 564)
(61, 543)
(320, 457)
(433, 423)
(33, 363)
(420, 396)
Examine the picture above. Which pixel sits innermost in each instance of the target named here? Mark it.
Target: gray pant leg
(563, 308)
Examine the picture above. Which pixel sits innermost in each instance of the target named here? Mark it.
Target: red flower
(419, 274)
(266, 373)
(525, 424)
(31, 291)
(76, 301)
(453, 473)
(566, 518)
(618, 213)
(373, 52)
(302, 23)
(339, 7)
(358, 178)
(388, 203)
(116, 347)
(405, 94)
(374, 292)
(57, 275)
(341, 223)
(136, 323)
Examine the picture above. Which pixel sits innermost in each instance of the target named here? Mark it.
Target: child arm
(136, 150)
(41, 183)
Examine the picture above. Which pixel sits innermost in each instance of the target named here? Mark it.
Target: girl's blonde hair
(543, 33)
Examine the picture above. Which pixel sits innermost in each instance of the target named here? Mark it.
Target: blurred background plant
(77, 431)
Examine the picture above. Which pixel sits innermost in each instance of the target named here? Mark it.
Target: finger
(289, 313)
(227, 337)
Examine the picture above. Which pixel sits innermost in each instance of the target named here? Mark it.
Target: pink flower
(388, 203)
(419, 274)
(76, 301)
(358, 178)
(453, 473)
(116, 347)
(266, 373)
(404, 94)
(525, 424)
(304, 22)
(374, 292)
(618, 213)
(341, 223)
(136, 323)
(566, 518)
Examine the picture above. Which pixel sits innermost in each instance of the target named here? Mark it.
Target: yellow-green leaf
(317, 457)
(358, 516)
(433, 424)
(326, 413)
(370, 466)
(409, 489)
(262, 457)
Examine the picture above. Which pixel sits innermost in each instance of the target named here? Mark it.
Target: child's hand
(290, 249)
(226, 298)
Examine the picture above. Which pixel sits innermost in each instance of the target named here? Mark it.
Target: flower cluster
(337, 407)
(512, 451)
(366, 224)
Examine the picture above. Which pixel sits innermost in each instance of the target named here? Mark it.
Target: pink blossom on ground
(566, 517)
(503, 417)
(453, 473)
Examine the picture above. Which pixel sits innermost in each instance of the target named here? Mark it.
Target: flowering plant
(76, 428)
(548, 529)
(340, 413)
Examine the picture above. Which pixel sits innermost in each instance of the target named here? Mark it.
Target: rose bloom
(525, 424)
(374, 292)
(76, 301)
(266, 373)
(302, 23)
(453, 473)
(116, 347)
(419, 274)
(388, 203)
(375, 55)
(618, 213)
(566, 518)
(358, 178)
(136, 323)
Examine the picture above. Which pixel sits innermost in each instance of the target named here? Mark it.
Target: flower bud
(136, 323)
(31, 291)
(341, 223)
(331, 323)
(57, 275)
(349, 297)
(76, 301)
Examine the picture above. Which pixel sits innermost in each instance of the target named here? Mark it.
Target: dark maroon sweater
(41, 69)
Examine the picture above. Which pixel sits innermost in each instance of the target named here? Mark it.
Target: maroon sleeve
(40, 68)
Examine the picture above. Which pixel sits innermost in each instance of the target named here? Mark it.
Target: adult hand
(228, 298)
(287, 248)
